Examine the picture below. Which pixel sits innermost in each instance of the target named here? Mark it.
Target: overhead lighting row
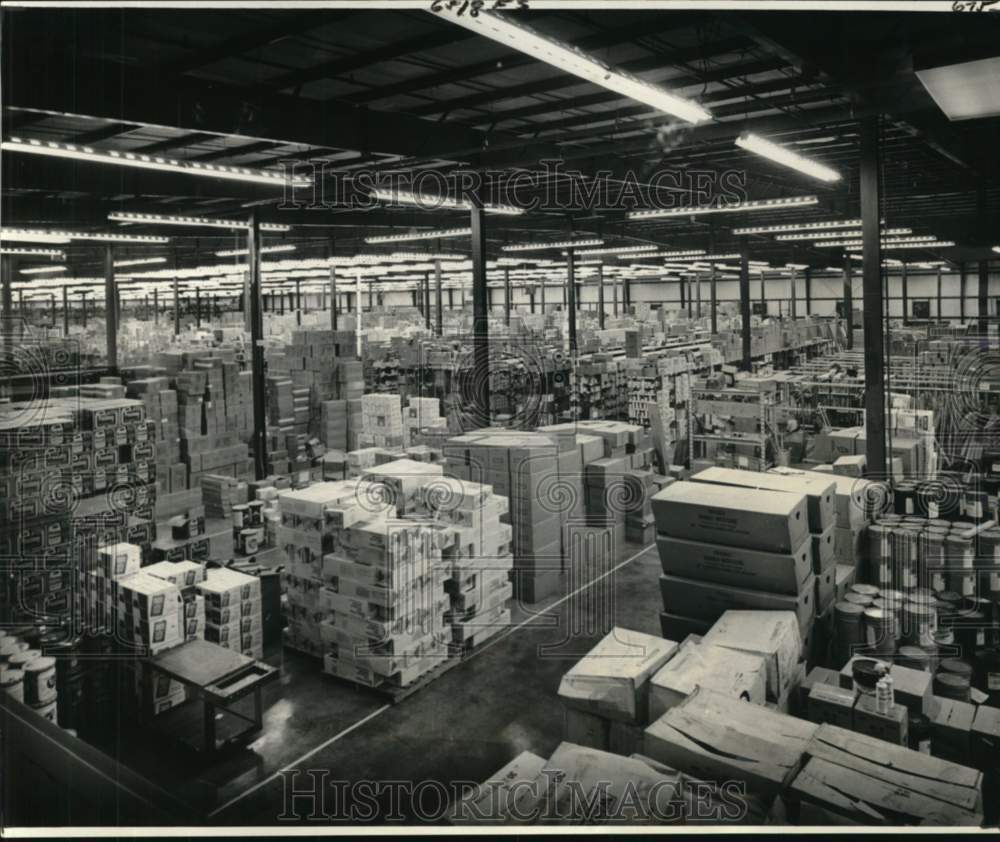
(34, 235)
(403, 197)
(55, 254)
(559, 244)
(151, 162)
(740, 207)
(833, 235)
(165, 219)
(419, 235)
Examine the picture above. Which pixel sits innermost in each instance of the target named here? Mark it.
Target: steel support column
(333, 298)
(906, 293)
(713, 295)
(439, 304)
(793, 309)
(809, 291)
(873, 297)
(480, 317)
(984, 307)
(65, 297)
(197, 307)
(427, 301)
(961, 290)
(111, 308)
(600, 296)
(506, 297)
(571, 303)
(849, 301)
(259, 438)
(938, 310)
(745, 362)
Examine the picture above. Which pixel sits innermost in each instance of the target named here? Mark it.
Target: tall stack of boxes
(422, 414)
(820, 492)
(519, 466)
(725, 548)
(233, 617)
(381, 421)
(480, 560)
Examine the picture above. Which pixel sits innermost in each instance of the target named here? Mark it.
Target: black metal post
(961, 290)
(506, 297)
(745, 362)
(111, 308)
(906, 294)
(600, 296)
(259, 438)
(849, 301)
(439, 304)
(571, 303)
(874, 298)
(480, 314)
(65, 297)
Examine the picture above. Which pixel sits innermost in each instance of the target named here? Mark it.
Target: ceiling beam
(359, 61)
(564, 80)
(127, 94)
(175, 143)
(104, 132)
(278, 28)
(234, 151)
(648, 26)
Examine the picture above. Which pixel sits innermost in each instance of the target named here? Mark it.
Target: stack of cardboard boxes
(381, 421)
(233, 617)
(725, 547)
(519, 466)
(422, 414)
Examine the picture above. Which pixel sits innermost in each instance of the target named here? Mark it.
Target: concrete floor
(461, 727)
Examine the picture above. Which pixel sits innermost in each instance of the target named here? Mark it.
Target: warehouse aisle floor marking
(288, 767)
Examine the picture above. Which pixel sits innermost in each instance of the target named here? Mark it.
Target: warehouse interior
(500, 416)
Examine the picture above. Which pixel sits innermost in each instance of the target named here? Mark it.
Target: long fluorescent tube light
(834, 235)
(140, 261)
(857, 241)
(56, 254)
(27, 235)
(561, 244)
(163, 219)
(39, 270)
(419, 235)
(937, 244)
(618, 250)
(996, 249)
(264, 250)
(151, 162)
(780, 155)
(753, 205)
(576, 63)
(800, 226)
(403, 197)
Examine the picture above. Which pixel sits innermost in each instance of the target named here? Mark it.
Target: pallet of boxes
(725, 547)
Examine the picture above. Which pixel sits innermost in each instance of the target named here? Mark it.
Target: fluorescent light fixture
(798, 226)
(996, 249)
(403, 197)
(796, 266)
(740, 207)
(55, 254)
(560, 244)
(162, 219)
(576, 63)
(886, 241)
(264, 250)
(151, 162)
(676, 254)
(937, 244)
(140, 261)
(834, 235)
(627, 250)
(966, 91)
(419, 235)
(40, 270)
(780, 155)
(26, 235)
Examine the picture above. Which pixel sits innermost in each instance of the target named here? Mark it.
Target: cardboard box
(817, 675)
(851, 495)
(951, 729)
(491, 802)
(876, 782)
(710, 601)
(830, 704)
(819, 493)
(986, 738)
(720, 739)
(715, 514)
(585, 729)
(786, 573)
(612, 680)
(772, 634)
(739, 675)
(890, 725)
(823, 553)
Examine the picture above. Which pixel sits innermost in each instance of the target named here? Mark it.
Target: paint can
(40, 681)
(12, 682)
(47, 711)
(241, 513)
